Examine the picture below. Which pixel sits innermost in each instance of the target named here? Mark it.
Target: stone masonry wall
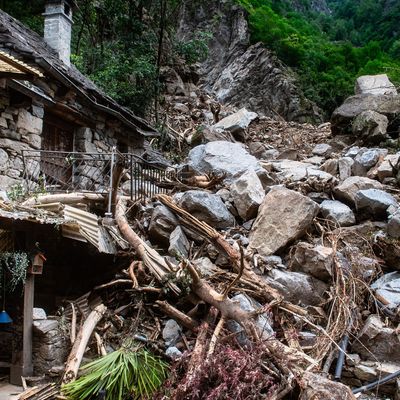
(21, 129)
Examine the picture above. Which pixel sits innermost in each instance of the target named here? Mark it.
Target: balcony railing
(67, 172)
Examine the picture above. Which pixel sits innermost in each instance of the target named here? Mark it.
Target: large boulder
(374, 84)
(206, 207)
(342, 117)
(236, 123)
(347, 190)
(284, 216)
(371, 126)
(221, 157)
(247, 193)
(374, 203)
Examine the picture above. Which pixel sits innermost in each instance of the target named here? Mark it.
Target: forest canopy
(117, 42)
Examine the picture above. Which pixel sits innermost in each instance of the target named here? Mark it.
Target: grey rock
(393, 226)
(347, 190)
(297, 287)
(263, 322)
(385, 169)
(171, 333)
(247, 193)
(222, 157)
(371, 126)
(370, 157)
(178, 243)
(330, 166)
(322, 149)
(296, 171)
(173, 353)
(39, 314)
(374, 203)
(284, 215)
(376, 342)
(345, 164)
(29, 123)
(3, 160)
(205, 266)
(365, 373)
(262, 152)
(236, 123)
(388, 288)
(314, 260)
(352, 152)
(207, 207)
(337, 212)
(374, 84)
(162, 223)
(342, 117)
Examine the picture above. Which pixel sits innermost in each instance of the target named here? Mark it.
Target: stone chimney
(58, 27)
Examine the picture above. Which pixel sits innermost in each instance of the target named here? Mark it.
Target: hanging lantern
(4, 317)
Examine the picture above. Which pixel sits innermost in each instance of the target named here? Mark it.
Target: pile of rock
(300, 218)
(371, 114)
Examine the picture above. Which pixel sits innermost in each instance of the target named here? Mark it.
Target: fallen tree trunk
(80, 344)
(153, 261)
(65, 198)
(209, 233)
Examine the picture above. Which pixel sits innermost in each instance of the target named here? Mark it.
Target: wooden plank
(29, 293)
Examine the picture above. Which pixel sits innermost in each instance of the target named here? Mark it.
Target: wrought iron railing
(67, 172)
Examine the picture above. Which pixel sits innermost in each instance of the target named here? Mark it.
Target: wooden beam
(29, 294)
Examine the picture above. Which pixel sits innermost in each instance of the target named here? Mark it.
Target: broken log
(153, 261)
(80, 344)
(65, 198)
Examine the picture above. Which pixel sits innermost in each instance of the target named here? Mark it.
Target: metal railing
(67, 172)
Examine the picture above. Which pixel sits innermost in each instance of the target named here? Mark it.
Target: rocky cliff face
(241, 74)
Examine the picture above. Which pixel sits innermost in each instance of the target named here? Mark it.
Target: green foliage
(15, 265)
(123, 374)
(16, 192)
(196, 49)
(322, 48)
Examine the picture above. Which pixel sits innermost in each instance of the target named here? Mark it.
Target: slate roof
(21, 42)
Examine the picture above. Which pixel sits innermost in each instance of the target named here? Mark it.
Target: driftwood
(79, 347)
(65, 198)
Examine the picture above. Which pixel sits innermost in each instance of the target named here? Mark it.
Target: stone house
(47, 104)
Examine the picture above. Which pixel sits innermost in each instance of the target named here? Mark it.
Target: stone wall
(50, 346)
(21, 129)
